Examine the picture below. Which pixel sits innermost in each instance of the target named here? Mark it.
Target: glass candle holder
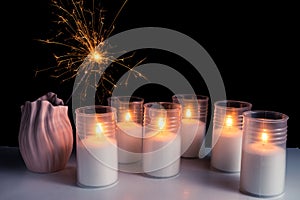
(96, 148)
(263, 166)
(129, 128)
(193, 123)
(162, 139)
(227, 134)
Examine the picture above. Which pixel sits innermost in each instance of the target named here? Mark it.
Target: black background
(254, 46)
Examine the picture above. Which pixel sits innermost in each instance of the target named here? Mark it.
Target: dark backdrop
(253, 45)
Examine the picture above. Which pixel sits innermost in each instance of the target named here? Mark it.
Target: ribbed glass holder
(162, 140)
(263, 167)
(96, 147)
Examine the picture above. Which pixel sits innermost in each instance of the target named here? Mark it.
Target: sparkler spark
(84, 34)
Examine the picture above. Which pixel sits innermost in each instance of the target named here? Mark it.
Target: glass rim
(127, 99)
(280, 117)
(81, 110)
(228, 104)
(161, 104)
(200, 97)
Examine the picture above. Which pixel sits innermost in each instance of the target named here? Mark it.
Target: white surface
(197, 180)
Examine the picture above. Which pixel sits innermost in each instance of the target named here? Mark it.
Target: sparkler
(84, 34)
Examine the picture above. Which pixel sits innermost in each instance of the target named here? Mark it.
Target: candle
(129, 131)
(129, 136)
(193, 123)
(161, 139)
(96, 146)
(227, 137)
(263, 153)
(267, 178)
(227, 152)
(192, 135)
(162, 152)
(97, 160)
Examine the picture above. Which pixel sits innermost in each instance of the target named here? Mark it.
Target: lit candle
(192, 135)
(97, 159)
(129, 138)
(227, 151)
(193, 123)
(263, 167)
(227, 134)
(162, 151)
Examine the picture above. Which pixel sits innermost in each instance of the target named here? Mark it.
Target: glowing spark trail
(84, 34)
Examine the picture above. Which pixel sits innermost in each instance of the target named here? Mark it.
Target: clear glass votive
(129, 127)
(162, 139)
(263, 167)
(193, 123)
(96, 147)
(227, 134)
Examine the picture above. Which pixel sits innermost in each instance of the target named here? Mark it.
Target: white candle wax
(192, 135)
(227, 151)
(162, 154)
(97, 162)
(129, 138)
(263, 169)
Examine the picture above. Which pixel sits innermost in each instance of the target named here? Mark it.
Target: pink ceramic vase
(45, 134)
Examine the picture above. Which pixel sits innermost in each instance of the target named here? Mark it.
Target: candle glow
(127, 117)
(264, 137)
(99, 130)
(229, 121)
(161, 123)
(188, 113)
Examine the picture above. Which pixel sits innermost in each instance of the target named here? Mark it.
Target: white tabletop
(197, 180)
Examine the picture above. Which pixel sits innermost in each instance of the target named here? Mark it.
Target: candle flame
(264, 137)
(188, 113)
(127, 117)
(99, 130)
(229, 120)
(161, 123)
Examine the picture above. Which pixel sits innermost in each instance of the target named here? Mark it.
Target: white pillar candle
(129, 140)
(227, 149)
(97, 161)
(192, 135)
(227, 138)
(263, 169)
(162, 154)
(193, 123)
